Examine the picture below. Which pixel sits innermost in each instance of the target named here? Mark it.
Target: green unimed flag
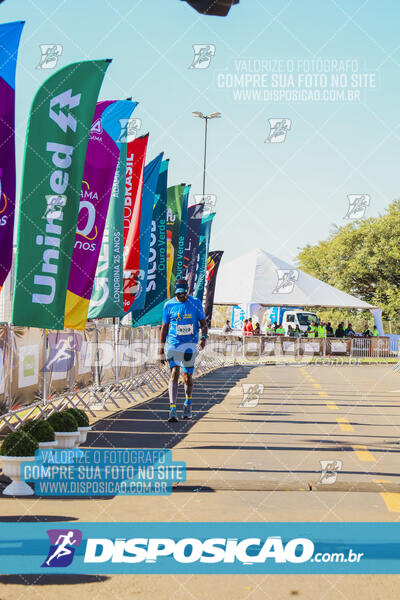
(57, 138)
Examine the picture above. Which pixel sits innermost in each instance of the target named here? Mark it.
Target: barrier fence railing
(43, 371)
(236, 347)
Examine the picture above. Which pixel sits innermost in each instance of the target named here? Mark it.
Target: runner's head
(181, 290)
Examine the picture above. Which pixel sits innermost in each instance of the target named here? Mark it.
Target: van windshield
(306, 318)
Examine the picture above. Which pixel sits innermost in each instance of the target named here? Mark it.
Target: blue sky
(275, 196)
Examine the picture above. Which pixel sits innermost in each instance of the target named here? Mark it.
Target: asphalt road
(252, 455)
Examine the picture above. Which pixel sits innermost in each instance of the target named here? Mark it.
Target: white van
(298, 317)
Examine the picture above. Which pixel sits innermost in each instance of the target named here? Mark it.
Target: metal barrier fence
(44, 371)
(234, 346)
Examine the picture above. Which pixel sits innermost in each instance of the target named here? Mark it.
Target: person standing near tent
(339, 333)
(375, 332)
(227, 327)
(269, 330)
(349, 331)
(179, 343)
(312, 330)
(321, 330)
(245, 327)
(366, 331)
(297, 332)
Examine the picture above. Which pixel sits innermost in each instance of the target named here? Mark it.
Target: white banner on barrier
(85, 357)
(312, 347)
(269, 347)
(28, 365)
(252, 347)
(288, 346)
(338, 347)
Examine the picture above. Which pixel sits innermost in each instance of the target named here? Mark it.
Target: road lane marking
(344, 424)
(331, 405)
(392, 501)
(364, 454)
(323, 394)
(317, 385)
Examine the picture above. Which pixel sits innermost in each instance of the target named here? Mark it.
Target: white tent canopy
(260, 278)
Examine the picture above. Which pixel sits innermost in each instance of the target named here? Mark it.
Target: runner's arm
(204, 332)
(163, 337)
(163, 333)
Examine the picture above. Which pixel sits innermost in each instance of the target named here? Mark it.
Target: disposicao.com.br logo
(188, 550)
(202, 547)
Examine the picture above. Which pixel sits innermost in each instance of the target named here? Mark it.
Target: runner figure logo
(205, 205)
(50, 55)
(61, 352)
(278, 130)
(129, 130)
(203, 54)
(54, 204)
(287, 279)
(62, 547)
(357, 206)
(251, 394)
(329, 471)
(140, 280)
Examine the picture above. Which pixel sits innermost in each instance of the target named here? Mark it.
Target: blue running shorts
(183, 356)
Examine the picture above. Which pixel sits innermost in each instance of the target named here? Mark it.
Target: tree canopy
(363, 259)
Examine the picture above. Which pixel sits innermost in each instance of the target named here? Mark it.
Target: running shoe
(187, 412)
(173, 417)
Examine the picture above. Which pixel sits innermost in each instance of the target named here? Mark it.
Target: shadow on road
(34, 518)
(51, 579)
(146, 426)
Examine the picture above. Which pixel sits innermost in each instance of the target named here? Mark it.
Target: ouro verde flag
(57, 138)
(174, 212)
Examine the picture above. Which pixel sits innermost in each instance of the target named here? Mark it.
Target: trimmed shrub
(41, 430)
(63, 422)
(80, 416)
(19, 443)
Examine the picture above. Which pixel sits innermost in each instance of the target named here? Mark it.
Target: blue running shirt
(183, 320)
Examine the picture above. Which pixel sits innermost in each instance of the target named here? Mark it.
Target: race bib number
(186, 329)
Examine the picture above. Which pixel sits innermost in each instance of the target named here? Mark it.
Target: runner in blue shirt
(180, 342)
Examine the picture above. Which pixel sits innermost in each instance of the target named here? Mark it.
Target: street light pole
(216, 115)
(205, 156)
